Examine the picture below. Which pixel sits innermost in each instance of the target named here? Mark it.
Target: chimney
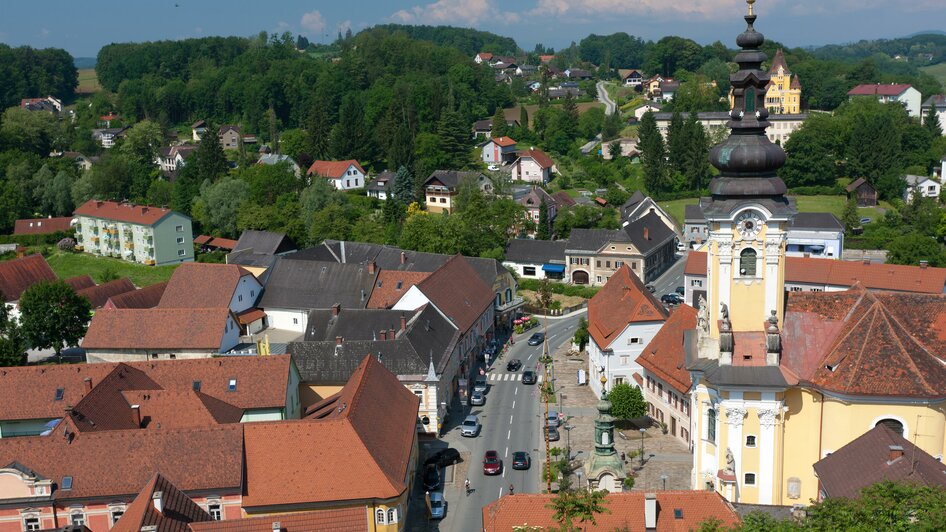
(158, 499)
(372, 267)
(336, 308)
(391, 334)
(338, 340)
(895, 453)
(866, 261)
(403, 322)
(650, 511)
(88, 384)
(646, 233)
(384, 335)
(136, 414)
(277, 526)
(924, 264)
(403, 258)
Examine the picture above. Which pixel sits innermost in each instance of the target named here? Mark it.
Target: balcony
(129, 245)
(513, 303)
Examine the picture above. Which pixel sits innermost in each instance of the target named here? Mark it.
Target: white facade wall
(526, 169)
(287, 319)
(927, 189)
(911, 100)
(352, 178)
(534, 268)
(244, 297)
(619, 361)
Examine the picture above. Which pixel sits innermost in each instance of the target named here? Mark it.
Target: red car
(492, 465)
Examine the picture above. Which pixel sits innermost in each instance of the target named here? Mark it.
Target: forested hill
(923, 49)
(467, 40)
(27, 72)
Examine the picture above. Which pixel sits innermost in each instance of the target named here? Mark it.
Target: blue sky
(83, 26)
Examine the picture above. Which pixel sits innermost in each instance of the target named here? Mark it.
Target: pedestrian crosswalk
(497, 377)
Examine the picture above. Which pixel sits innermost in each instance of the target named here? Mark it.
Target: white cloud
(343, 26)
(313, 21)
(44, 33)
(449, 12)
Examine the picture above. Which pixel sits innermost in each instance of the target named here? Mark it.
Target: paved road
(512, 421)
(672, 278)
(609, 106)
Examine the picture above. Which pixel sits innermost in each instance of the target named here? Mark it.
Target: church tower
(748, 215)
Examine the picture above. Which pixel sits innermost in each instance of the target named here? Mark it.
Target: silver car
(480, 384)
(470, 426)
(477, 399)
(438, 506)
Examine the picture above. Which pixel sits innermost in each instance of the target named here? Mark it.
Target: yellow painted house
(781, 379)
(783, 94)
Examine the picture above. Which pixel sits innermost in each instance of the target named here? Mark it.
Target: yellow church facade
(783, 93)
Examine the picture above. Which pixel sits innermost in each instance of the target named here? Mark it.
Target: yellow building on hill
(781, 380)
(783, 93)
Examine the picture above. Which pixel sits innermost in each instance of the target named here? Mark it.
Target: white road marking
(507, 452)
(509, 434)
(504, 472)
(517, 391)
(500, 492)
(514, 402)
(510, 419)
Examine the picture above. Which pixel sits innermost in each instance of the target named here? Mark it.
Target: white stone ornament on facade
(768, 417)
(735, 415)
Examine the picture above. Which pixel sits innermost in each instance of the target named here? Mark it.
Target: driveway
(609, 106)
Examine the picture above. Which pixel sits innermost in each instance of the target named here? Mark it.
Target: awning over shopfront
(554, 268)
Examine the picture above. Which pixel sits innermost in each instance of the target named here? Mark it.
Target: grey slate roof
(353, 324)
(301, 284)
(452, 178)
(632, 202)
(593, 239)
(428, 335)
(693, 214)
(384, 182)
(536, 251)
(657, 232)
(816, 220)
(264, 242)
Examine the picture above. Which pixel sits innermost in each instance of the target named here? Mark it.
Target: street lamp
(664, 479)
(642, 446)
(579, 479)
(568, 441)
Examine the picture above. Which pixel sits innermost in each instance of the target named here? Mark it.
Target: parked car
(680, 290)
(438, 506)
(521, 460)
(552, 418)
(480, 384)
(528, 377)
(492, 464)
(536, 338)
(470, 426)
(514, 365)
(650, 288)
(477, 399)
(671, 299)
(681, 247)
(552, 432)
(443, 457)
(431, 477)
(865, 221)
(493, 167)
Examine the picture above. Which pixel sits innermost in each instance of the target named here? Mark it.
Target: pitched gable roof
(665, 355)
(457, 290)
(535, 251)
(146, 297)
(80, 281)
(42, 226)
(123, 212)
(693, 213)
(304, 284)
(779, 61)
(539, 156)
(333, 169)
(391, 285)
(649, 232)
(203, 285)
(19, 274)
(623, 300)
(879, 89)
(177, 509)
(99, 295)
(452, 178)
(503, 142)
(157, 328)
(351, 519)
(263, 242)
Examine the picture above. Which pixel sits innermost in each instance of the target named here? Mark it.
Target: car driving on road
(521, 460)
(492, 464)
(470, 426)
(480, 384)
(528, 377)
(514, 365)
(671, 299)
(536, 338)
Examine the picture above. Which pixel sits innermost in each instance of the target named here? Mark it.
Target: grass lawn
(88, 82)
(832, 204)
(73, 264)
(512, 113)
(938, 71)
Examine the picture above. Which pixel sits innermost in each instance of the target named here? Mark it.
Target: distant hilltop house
(107, 137)
(198, 129)
(926, 187)
(937, 101)
(343, 175)
(48, 104)
(484, 128)
(442, 186)
(272, 159)
(901, 93)
(229, 136)
(136, 233)
(631, 77)
(172, 158)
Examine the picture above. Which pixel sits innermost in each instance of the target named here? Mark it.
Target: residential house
(106, 120)
(484, 128)
(209, 244)
(136, 233)
(82, 162)
(651, 86)
(623, 317)
(500, 150)
(545, 59)
(627, 145)
(926, 187)
(295, 286)
(198, 129)
(536, 259)
(533, 165)
(42, 226)
(557, 93)
(343, 175)
(815, 234)
(638, 206)
(502, 61)
(172, 158)
(937, 101)
(391, 285)
(563, 200)
(666, 90)
(783, 93)
(659, 511)
(98, 295)
(257, 250)
(107, 137)
(382, 186)
(272, 159)
(18, 274)
(483, 57)
(533, 201)
(577, 73)
(647, 246)
(230, 136)
(667, 383)
(901, 93)
(881, 454)
(780, 129)
(631, 77)
(695, 228)
(48, 104)
(527, 70)
(442, 187)
(865, 193)
(647, 107)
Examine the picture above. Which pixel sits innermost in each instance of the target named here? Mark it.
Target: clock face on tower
(749, 223)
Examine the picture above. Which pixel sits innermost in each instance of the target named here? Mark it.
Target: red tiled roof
(539, 156)
(124, 212)
(146, 297)
(848, 273)
(562, 198)
(80, 281)
(879, 89)
(248, 316)
(217, 242)
(485, 55)
(177, 509)
(157, 328)
(391, 285)
(664, 356)
(99, 295)
(623, 300)
(352, 519)
(333, 169)
(358, 448)
(503, 142)
(625, 511)
(42, 226)
(19, 274)
(203, 285)
(458, 291)
(202, 239)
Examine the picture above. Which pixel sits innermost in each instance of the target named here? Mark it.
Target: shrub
(66, 244)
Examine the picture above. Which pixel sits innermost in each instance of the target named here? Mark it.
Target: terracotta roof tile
(19, 274)
(457, 290)
(879, 89)
(353, 519)
(391, 285)
(503, 142)
(696, 263)
(202, 285)
(80, 281)
(539, 156)
(177, 509)
(625, 511)
(665, 356)
(333, 169)
(146, 297)
(125, 212)
(622, 300)
(99, 295)
(157, 328)
(42, 226)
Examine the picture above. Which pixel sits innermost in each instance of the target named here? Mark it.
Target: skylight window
(231, 386)
(196, 386)
(66, 483)
(60, 392)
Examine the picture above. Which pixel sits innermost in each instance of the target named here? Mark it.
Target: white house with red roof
(533, 165)
(499, 150)
(343, 175)
(891, 92)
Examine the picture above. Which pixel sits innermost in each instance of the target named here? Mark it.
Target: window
(598, 263)
(599, 277)
(295, 321)
(711, 425)
(347, 183)
(633, 341)
(31, 523)
(215, 511)
(179, 228)
(795, 289)
(443, 200)
(392, 515)
(618, 263)
(379, 517)
(619, 380)
(749, 479)
(432, 200)
(633, 265)
(892, 424)
(180, 240)
(697, 283)
(660, 391)
(747, 260)
(607, 263)
(528, 270)
(625, 360)
(66, 483)
(356, 182)
(750, 441)
(181, 253)
(116, 515)
(59, 393)
(77, 519)
(232, 385)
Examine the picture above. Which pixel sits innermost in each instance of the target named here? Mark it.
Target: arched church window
(747, 262)
(892, 424)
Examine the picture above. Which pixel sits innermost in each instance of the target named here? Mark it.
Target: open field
(72, 264)
(832, 204)
(88, 82)
(938, 71)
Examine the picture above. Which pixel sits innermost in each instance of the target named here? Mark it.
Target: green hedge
(586, 292)
(817, 191)
(36, 240)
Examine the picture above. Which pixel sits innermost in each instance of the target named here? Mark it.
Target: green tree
(211, 161)
(318, 129)
(523, 118)
(812, 153)
(403, 187)
(677, 142)
(142, 142)
(614, 150)
(627, 402)
(454, 139)
(33, 132)
(569, 124)
(499, 124)
(914, 247)
(696, 166)
(931, 122)
(582, 336)
(581, 505)
(53, 316)
(543, 227)
(883, 506)
(12, 344)
(612, 125)
(850, 217)
(219, 203)
(350, 138)
(652, 154)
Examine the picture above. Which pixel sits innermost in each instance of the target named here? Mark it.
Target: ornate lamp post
(642, 446)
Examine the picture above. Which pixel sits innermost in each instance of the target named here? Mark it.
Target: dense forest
(30, 73)
(922, 49)
(467, 40)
